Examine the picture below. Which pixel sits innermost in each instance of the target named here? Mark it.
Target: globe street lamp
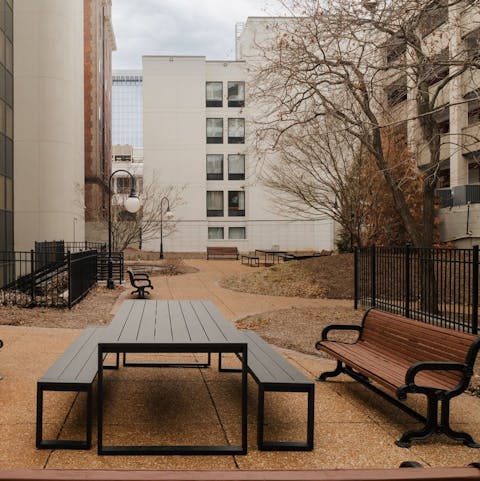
(132, 205)
(169, 216)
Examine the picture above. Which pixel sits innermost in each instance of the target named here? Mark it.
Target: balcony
(459, 195)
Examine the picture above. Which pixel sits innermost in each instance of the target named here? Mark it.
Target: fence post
(355, 278)
(69, 277)
(475, 290)
(32, 277)
(372, 276)
(407, 280)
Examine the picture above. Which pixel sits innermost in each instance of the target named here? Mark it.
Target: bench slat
(79, 363)
(267, 365)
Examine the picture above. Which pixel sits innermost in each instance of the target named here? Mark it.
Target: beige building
(197, 136)
(48, 125)
(452, 32)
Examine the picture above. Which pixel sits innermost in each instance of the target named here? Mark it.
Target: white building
(197, 135)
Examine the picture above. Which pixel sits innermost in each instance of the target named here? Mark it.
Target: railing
(82, 275)
(437, 286)
(29, 280)
(459, 195)
(117, 263)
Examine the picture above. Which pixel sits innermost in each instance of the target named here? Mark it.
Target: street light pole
(132, 205)
(169, 213)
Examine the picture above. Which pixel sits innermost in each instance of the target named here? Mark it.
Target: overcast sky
(179, 27)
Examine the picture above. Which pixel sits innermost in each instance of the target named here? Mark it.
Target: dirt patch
(323, 277)
(93, 310)
(299, 328)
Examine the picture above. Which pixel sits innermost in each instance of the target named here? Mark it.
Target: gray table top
(162, 321)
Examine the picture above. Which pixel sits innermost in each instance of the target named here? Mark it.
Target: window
(236, 131)
(214, 131)
(214, 203)
(215, 233)
(123, 158)
(237, 233)
(215, 167)
(442, 118)
(9, 122)
(2, 192)
(123, 185)
(395, 48)
(397, 92)
(433, 16)
(236, 203)
(473, 98)
(214, 94)
(472, 44)
(236, 167)
(439, 68)
(236, 94)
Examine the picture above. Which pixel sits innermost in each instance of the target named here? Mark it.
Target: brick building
(99, 42)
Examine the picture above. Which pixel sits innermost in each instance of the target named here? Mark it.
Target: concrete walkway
(353, 429)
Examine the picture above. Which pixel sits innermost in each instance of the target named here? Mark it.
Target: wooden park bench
(406, 356)
(140, 281)
(251, 260)
(273, 373)
(222, 252)
(74, 371)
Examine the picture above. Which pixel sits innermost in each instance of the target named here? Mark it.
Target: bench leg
(432, 427)
(338, 370)
(225, 369)
(63, 443)
(285, 445)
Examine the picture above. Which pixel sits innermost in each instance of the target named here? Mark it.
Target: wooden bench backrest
(413, 340)
(222, 250)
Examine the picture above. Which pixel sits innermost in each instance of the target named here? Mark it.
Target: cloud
(179, 27)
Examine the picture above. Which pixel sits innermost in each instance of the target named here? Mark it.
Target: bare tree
(143, 226)
(371, 66)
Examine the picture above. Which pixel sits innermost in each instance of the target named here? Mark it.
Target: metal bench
(251, 260)
(222, 252)
(75, 370)
(273, 373)
(407, 356)
(140, 281)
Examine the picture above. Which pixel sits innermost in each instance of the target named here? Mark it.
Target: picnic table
(171, 327)
(273, 253)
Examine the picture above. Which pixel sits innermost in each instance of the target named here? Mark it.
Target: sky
(179, 27)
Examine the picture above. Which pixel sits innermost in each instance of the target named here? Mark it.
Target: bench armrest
(338, 327)
(414, 369)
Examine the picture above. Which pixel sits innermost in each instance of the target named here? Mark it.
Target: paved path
(205, 284)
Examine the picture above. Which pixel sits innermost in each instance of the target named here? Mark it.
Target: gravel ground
(323, 277)
(300, 328)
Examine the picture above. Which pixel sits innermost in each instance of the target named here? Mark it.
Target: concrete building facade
(197, 136)
(48, 124)
(99, 43)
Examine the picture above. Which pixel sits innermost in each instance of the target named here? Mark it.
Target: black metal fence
(82, 274)
(118, 266)
(28, 279)
(437, 286)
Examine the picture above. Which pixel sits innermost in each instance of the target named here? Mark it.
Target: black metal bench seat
(75, 370)
(250, 260)
(273, 373)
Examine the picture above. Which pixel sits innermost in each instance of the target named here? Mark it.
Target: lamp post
(132, 205)
(169, 216)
